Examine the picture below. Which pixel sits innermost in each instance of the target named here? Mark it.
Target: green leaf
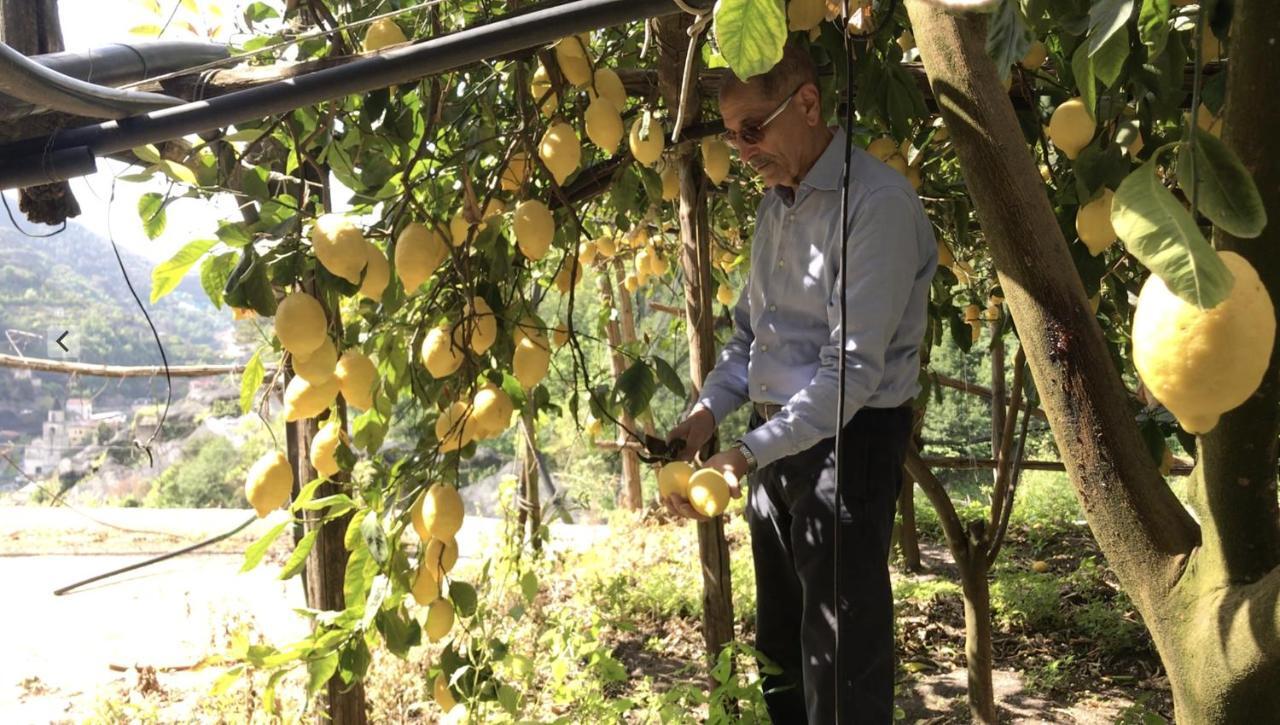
(177, 172)
(226, 680)
(1008, 38)
(306, 493)
(375, 538)
(1106, 18)
(400, 631)
(360, 570)
(167, 275)
(750, 34)
(509, 699)
(299, 555)
(258, 549)
(151, 211)
(1082, 69)
(529, 586)
(149, 30)
(214, 274)
(1158, 231)
(319, 671)
(668, 376)
(338, 504)
(637, 386)
(1153, 26)
(1226, 192)
(464, 597)
(1109, 60)
(148, 153)
(251, 380)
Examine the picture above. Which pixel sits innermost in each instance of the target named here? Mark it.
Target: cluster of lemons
(706, 489)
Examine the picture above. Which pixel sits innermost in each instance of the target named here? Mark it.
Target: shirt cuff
(769, 442)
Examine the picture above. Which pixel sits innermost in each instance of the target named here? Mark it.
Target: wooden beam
(117, 371)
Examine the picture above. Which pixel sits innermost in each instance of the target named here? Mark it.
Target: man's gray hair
(795, 69)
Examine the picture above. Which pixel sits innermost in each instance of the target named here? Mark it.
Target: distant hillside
(72, 281)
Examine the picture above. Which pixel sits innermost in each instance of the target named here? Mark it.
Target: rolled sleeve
(725, 389)
(882, 263)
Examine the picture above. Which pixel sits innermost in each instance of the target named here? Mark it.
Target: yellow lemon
(560, 336)
(514, 173)
(484, 325)
(419, 251)
(492, 408)
(534, 228)
(708, 492)
(303, 399)
(1093, 223)
(540, 89)
(268, 483)
(377, 273)
(572, 56)
(531, 360)
(1071, 127)
(609, 85)
(560, 150)
(1202, 363)
(647, 149)
(805, 14)
(440, 356)
(670, 183)
(440, 556)
(339, 246)
(442, 695)
(318, 365)
(586, 253)
(439, 619)
(300, 324)
(1039, 567)
(426, 588)
(324, 448)
(357, 377)
(897, 163)
(381, 33)
(456, 427)
(724, 295)
(438, 512)
(604, 125)
(882, 148)
(674, 478)
(1036, 55)
(715, 159)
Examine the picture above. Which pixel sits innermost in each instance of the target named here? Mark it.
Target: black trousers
(791, 516)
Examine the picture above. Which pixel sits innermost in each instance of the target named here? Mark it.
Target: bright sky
(90, 23)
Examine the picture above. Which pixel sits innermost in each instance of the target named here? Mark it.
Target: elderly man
(783, 358)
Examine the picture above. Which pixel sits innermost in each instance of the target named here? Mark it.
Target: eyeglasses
(753, 133)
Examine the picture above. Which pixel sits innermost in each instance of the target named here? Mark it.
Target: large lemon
(1071, 127)
(805, 14)
(575, 66)
(440, 356)
(1036, 55)
(268, 483)
(426, 588)
(324, 448)
(708, 492)
(300, 323)
(492, 408)
(513, 174)
(724, 295)
(608, 84)
(439, 620)
(647, 150)
(670, 183)
(534, 228)
(382, 32)
(882, 148)
(440, 556)
(419, 251)
(357, 376)
(456, 427)
(441, 693)
(604, 124)
(1203, 363)
(339, 246)
(303, 399)
(377, 273)
(560, 150)
(437, 513)
(531, 359)
(715, 159)
(674, 478)
(484, 325)
(540, 89)
(1093, 223)
(317, 366)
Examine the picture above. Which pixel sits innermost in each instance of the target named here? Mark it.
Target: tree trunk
(695, 261)
(977, 629)
(908, 535)
(629, 493)
(32, 27)
(997, 388)
(1213, 609)
(530, 477)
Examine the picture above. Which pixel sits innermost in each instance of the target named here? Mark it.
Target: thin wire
(840, 365)
(24, 232)
(231, 59)
(164, 358)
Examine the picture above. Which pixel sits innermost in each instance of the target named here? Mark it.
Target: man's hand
(695, 431)
(731, 464)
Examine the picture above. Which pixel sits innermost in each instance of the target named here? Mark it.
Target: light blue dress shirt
(785, 342)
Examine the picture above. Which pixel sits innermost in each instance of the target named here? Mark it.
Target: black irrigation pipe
(518, 31)
(155, 559)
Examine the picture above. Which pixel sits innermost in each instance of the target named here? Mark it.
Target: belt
(768, 410)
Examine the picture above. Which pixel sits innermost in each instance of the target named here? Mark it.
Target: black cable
(24, 232)
(164, 358)
(156, 559)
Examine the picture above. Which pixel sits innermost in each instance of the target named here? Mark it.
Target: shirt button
(791, 217)
(781, 263)
(764, 388)
(764, 348)
(773, 308)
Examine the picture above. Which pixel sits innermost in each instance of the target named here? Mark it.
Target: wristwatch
(746, 453)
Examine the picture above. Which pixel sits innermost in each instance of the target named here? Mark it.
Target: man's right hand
(695, 431)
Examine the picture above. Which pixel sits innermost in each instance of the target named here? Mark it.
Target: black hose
(155, 560)
(27, 80)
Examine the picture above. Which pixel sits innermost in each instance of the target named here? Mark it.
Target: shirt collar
(827, 171)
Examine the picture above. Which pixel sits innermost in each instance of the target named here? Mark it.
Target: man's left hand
(733, 465)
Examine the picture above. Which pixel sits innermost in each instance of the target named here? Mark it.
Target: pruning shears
(657, 450)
